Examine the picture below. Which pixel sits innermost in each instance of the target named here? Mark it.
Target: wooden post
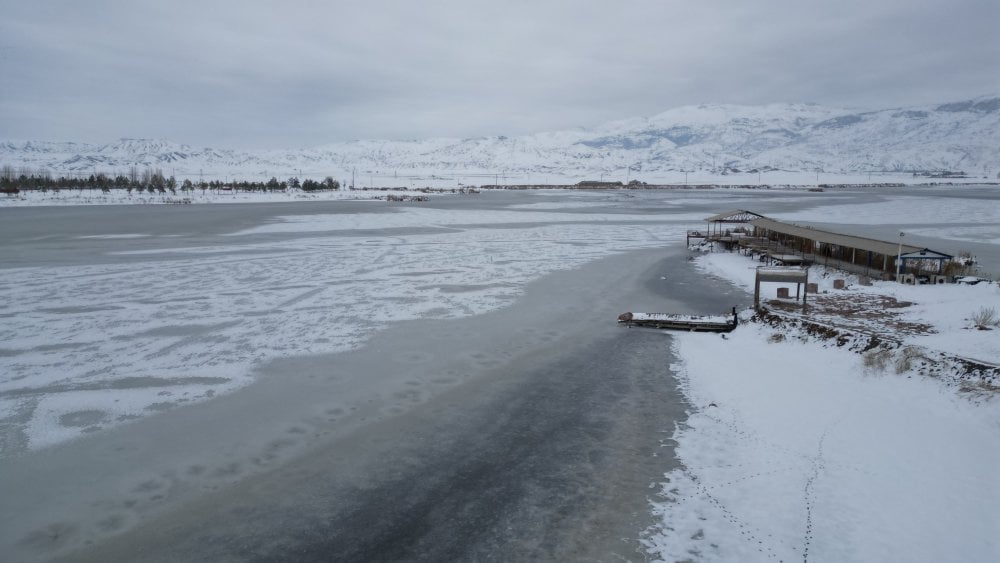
(756, 291)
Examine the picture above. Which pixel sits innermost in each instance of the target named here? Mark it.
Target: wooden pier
(690, 323)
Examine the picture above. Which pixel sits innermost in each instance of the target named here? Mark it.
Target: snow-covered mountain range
(714, 139)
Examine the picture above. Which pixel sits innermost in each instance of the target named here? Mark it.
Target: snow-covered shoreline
(32, 198)
(947, 309)
(797, 448)
(779, 182)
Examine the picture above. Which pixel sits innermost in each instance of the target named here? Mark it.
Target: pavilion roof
(734, 216)
(888, 248)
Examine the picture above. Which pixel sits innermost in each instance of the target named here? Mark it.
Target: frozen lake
(159, 364)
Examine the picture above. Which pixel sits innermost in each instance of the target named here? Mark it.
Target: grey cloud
(268, 74)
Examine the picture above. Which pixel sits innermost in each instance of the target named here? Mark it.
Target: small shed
(798, 276)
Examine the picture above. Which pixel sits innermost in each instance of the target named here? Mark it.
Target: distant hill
(721, 139)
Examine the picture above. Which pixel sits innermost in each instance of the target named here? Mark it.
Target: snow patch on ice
(74, 337)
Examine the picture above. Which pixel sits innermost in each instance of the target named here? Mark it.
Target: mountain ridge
(719, 138)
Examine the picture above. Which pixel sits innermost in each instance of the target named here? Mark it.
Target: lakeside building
(779, 242)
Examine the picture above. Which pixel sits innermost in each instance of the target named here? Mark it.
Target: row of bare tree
(147, 180)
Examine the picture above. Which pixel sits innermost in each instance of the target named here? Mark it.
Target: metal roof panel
(848, 241)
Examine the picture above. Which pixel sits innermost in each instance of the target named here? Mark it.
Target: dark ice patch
(83, 419)
(462, 287)
(80, 309)
(138, 382)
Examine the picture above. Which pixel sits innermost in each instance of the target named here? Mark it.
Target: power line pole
(899, 257)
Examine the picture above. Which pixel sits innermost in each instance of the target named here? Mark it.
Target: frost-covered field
(796, 451)
(86, 347)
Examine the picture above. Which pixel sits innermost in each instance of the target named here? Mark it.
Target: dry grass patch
(858, 311)
(907, 356)
(986, 318)
(876, 360)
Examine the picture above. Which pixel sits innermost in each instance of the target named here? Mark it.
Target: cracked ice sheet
(416, 217)
(804, 451)
(923, 210)
(986, 233)
(87, 347)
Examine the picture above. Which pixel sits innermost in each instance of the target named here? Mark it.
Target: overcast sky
(250, 74)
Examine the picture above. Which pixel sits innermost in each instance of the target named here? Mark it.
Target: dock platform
(690, 323)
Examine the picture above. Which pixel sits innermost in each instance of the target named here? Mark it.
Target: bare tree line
(151, 180)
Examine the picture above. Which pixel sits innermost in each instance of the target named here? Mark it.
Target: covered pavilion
(727, 228)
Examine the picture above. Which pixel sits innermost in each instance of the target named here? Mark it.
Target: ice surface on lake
(987, 233)
(787, 446)
(412, 218)
(87, 347)
(907, 209)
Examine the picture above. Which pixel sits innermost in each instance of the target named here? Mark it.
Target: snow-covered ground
(796, 450)
(949, 309)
